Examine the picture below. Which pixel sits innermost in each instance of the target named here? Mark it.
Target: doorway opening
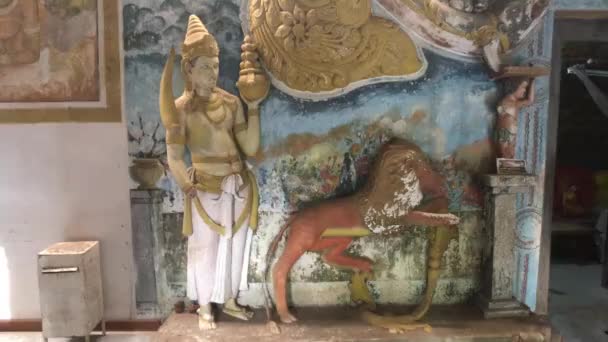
(580, 201)
(575, 226)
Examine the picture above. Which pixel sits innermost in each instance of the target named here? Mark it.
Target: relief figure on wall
(213, 126)
(403, 191)
(508, 113)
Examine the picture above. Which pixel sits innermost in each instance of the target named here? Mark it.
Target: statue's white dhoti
(218, 264)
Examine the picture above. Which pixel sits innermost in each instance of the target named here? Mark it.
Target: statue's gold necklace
(212, 107)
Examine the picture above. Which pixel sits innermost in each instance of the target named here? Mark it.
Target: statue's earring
(186, 73)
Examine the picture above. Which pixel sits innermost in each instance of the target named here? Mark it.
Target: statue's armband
(240, 125)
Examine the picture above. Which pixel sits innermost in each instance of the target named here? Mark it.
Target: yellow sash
(213, 184)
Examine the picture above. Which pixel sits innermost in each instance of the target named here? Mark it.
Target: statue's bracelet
(188, 188)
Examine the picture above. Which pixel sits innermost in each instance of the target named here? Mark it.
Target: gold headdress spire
(198, 42)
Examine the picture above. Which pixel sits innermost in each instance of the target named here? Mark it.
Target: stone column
(145, 222)
(498, 261)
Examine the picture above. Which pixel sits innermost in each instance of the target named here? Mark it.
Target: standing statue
(402, 191)
(19, 32)
(508, 112)
(212, 124)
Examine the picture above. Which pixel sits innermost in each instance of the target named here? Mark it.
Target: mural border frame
(111, 82)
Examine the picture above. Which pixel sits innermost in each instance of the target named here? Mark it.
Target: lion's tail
(269, 256)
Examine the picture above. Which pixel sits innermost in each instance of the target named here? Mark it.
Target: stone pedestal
(146, 208)
(159, 252)
(498, 265)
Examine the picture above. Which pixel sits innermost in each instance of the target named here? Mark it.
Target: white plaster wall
(61, 182)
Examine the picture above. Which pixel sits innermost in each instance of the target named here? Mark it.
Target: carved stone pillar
(498, 262)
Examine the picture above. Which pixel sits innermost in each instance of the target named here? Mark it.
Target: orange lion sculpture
(401, 178)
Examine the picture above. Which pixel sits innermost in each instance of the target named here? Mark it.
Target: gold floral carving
(324, 45)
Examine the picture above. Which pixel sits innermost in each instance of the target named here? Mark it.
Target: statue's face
(203, 73)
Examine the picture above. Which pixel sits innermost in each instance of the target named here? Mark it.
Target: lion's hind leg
(293, 251)
(334, 254)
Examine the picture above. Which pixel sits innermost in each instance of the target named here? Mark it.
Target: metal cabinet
(71, 297)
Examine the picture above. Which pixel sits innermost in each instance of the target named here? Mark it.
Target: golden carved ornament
(324, 45)
(253, 82)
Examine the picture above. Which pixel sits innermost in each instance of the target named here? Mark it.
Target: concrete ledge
(396, 292)
(508, 181)
(449, 323)
(502, 308)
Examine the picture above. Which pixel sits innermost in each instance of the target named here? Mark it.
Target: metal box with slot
(71, 298)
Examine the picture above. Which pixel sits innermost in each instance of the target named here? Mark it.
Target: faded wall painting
(49, 51)
(320, 150)
(60, 61)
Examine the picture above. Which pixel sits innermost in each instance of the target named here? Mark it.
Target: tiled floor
(578, 304)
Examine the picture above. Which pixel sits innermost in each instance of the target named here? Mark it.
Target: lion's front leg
(422, 218)
(439, 241)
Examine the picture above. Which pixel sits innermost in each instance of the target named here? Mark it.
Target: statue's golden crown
(198, 42)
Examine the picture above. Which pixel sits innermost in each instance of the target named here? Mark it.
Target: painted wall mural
(49, 51)
(467, 28)
(318, 150)
(319, 50)
(60, 61)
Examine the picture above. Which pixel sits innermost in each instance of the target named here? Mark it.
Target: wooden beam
(20, 325)
(521, 71)
(581, 14)
(31, 325)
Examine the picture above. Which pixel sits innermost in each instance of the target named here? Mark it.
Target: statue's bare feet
(231, 308)
(287, 318)
(204, 324)
(206, 320)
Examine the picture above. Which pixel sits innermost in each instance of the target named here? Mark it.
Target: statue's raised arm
(253, 85)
